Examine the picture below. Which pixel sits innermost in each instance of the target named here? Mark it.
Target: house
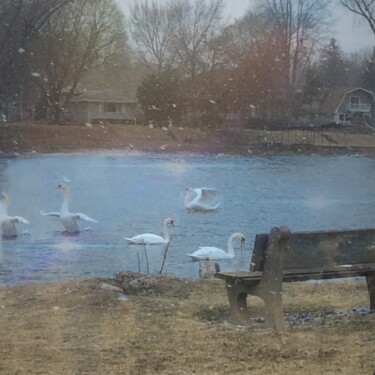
(342, 106)
(356, 107)
(101, 106)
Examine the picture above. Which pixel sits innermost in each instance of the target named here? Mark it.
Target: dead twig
(165, 255)
(146, 256)
(139, 263)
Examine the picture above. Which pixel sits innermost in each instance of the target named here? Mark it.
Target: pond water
(133, 193)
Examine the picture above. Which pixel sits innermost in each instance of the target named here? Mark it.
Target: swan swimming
(8, 223)
(152, 239)
(202, 199)
(214, 253)
(67, 218)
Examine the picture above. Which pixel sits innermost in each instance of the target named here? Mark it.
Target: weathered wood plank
(371, 289)
(270, 286)
(321, 249)
(239, 274)
(301, 274)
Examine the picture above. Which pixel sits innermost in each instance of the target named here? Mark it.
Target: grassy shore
(77, 327)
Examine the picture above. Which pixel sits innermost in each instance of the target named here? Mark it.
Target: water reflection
(133, 193)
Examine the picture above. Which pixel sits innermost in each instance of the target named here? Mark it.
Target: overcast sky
(351, 32)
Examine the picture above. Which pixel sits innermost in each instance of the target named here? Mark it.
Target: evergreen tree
(160, 98)
(368, 76)
(311, 86)
(332, 66)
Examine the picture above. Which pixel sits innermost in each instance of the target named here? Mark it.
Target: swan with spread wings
(8, 223)
(202, 199)
(67, 218)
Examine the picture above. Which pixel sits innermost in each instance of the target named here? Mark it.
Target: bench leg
(274, 312)
(370, 279)
(237, 304)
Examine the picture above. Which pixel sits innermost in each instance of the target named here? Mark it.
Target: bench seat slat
(302, 274)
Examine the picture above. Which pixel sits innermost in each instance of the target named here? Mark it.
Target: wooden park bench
(284, 256)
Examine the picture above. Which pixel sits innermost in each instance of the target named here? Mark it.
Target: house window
(111, 107)
(354, 104)
(358, 105)
(345, 117)
(354, 100)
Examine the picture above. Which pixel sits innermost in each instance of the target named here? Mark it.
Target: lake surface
(131, 194)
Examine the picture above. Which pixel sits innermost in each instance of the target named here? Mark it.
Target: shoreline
(37, 139)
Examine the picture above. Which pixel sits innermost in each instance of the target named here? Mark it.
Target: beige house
(356, 107)
(101, 106)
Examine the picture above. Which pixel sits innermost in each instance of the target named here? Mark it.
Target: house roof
(360, 88)
(353, 90)
(105, 95)
(331, 100)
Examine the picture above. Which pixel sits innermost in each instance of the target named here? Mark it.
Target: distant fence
(315, 138)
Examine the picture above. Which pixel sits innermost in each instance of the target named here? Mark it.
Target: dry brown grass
(76, 327)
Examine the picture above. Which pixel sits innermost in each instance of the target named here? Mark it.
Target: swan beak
(243, 241)
(172, 223)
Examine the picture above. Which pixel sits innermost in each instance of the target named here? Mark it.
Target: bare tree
(20, 22)
(181, 35)
(295, 25)
(239, 39)
(152, 28)
(199, 23)
(364, 8)
(76, 39)
(252, 63)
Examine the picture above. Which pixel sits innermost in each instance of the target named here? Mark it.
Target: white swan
(214, 253)
(8, 223)
(202, 199)
(152, 239)
(67, 218)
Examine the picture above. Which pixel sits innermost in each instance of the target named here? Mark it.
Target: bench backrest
(320, 249)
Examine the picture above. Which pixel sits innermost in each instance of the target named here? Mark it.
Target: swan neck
(166, 231)
(65, 204)
(188, 197)
(230, 245)
(3, 208)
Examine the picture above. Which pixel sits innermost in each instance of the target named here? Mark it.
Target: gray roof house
(356, 107)
(101, 106)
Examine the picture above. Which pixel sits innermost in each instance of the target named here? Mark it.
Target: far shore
(29, 138)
